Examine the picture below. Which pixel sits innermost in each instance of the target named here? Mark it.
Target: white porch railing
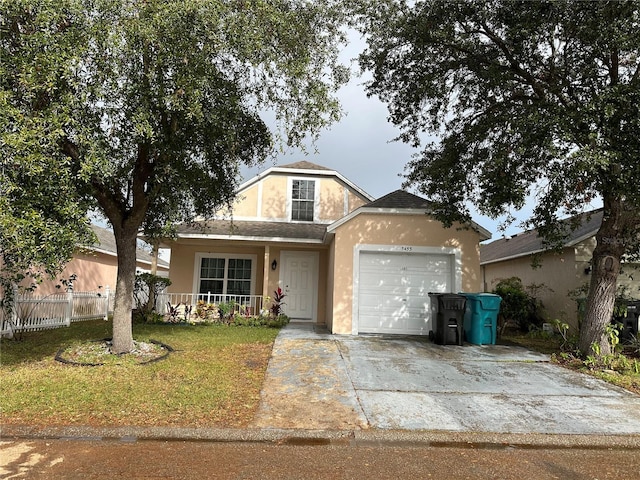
(33, 312)
(248, 304)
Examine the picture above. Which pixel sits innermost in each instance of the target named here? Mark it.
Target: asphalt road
(111, 459)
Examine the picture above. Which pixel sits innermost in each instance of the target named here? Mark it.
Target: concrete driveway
(316, 380)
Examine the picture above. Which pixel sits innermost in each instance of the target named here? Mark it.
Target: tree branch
(141, 173)
(614, 67)
(527, 76)
(636, 75)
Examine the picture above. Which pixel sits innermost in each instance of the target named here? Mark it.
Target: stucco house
(96, 266)
(343, 259)
(560, 272)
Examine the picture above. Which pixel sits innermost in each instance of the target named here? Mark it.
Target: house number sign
(406, 249)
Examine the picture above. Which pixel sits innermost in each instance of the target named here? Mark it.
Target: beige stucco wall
(181, 270)
(274, 201)
(269, 198)
(630, 279)
(355, 201)
(397, 230)
(246, 204)
(332, 200)
(94, 273)
(561, 273)
(331, 272)
(558, 272)
(183, 257)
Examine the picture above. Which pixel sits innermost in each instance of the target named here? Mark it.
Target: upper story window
(303, 200)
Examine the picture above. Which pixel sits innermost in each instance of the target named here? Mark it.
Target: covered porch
(246, 272)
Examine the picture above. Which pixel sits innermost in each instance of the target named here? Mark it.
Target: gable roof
(305, 168)
(304, 165)
(399, 201)
(107, 245)
(530, 243)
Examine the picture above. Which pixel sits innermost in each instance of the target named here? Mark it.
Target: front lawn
(212, 379)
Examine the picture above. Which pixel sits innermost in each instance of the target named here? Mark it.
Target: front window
(212, 275)
(302, 200)
(239, 277)
(226, 275)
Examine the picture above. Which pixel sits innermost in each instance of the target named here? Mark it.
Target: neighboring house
(96, 267)
(343, 259)
(560, 272)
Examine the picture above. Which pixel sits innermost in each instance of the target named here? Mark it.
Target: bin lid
(451, 301)
(488, 301)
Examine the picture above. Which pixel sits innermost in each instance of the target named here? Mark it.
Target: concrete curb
(361, 438)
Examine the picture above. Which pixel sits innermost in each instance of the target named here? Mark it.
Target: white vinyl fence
(32, 312)
(247, 304)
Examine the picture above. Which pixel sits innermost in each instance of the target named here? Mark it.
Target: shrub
(208, 312)
(517, 305)
(146, 289)
(276, 306)
(260, 321)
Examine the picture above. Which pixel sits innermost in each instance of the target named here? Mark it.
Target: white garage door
(393, 290)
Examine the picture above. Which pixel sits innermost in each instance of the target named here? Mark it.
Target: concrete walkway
(318, 381)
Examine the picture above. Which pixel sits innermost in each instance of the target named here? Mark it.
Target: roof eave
(512, 257)
(114, 254)
(398, 211)
(248, 238)
(570, 244)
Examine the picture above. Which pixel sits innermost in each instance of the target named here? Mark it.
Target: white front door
(299, 280)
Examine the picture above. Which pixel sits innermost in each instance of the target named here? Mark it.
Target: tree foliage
(523, 98)
(153, 105)
(42, 215)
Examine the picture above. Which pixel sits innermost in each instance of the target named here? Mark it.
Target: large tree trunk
(122, 327)
(606, 261)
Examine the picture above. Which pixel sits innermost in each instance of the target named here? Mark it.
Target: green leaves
(147, 109)
(524, 99)
(522, 96)
(134, 92)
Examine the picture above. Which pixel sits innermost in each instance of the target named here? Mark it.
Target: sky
(360, 147)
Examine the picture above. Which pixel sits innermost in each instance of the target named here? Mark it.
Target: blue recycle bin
(481, 318)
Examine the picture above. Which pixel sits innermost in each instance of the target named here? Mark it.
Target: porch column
(267, 269)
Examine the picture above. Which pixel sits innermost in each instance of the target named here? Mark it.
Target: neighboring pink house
(344, 260)
(96, 267)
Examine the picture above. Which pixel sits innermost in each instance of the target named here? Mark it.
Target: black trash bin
(631, 322)
(447, 315)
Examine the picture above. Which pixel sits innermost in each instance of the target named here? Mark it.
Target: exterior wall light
(274, 264)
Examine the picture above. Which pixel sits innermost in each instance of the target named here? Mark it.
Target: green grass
(212, 379)
(622, 370)
(538, 343)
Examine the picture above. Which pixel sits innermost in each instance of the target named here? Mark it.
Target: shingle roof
(400, 199)
(107, 243)
(528, 242)
(304, 165)
(271, 230)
